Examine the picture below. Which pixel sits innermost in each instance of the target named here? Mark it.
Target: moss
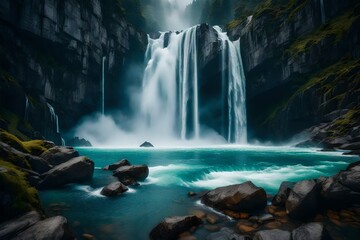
(342, 125)
(334, 30)
(34, 147)
(24, 198)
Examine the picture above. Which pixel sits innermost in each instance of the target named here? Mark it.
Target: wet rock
(351, 146)
(310, 231)
(245, 197)
(128, 181)
(245, 228)
(146, 144)
(212, 228)
(138, 172)
(191, 194)
(282, 194)
(198, 213)
(172, 227)
(14, 226)
(236, 215)
(114, 189)
(88, 236)
(59, 154)
(272, 235)
(76, 170)
(263, 218)
(226, 234)
(212, 218)
(78, 142)
(54, 228)
(303, 200)
(116, 165)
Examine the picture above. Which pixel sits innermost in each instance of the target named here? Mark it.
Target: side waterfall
(170, 92)
(55, 119)
(323, 19)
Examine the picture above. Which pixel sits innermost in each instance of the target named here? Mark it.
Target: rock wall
(299, 68)
(52, 54)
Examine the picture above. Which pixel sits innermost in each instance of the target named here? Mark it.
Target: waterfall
(323, 19)
(236, 94)
(63, 143)
(54, 117)
(103, 86)
(27, 106)
(170, 91)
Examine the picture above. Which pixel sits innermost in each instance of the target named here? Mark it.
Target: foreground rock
(12, 227)
(59, 154)
(55, 228)
(303, 200)
(146, 144)
(114, 189)
(116, 165)
(76, 170)
(225, 234)
(283, 193)
(275, 234)
(172, 227)
(343, 189)
(245, 197)
(310, 231)
(138, 172)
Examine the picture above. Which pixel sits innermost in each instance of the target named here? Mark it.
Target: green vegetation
(335, 30)
(342, 125)
(13, 183)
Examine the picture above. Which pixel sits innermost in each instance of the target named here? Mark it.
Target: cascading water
(322, 8)
(27, 106)
(170, 91)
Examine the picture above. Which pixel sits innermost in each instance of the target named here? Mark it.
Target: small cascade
(103, 86)
(27, 109)
(322, 8)
(54, 117)
(63, 143)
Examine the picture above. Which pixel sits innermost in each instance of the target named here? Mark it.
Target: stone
(76, 170)
(191, 194)
(198, 213)
(263, 218)
(275, 234)
(59, 154)
(88, 236)
(114, 166)
(78, 142)
(282, 194)
(14, 226)
(310, 231)
(211, 218)
(303, 200)
(245, 197)
(54, 228)
(350, 146)
(114, 189)
(172, 227)
(138, 172)
(212, 228)
(226, 234)
(245, 228)
(146, 144)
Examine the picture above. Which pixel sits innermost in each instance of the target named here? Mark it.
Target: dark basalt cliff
(52, 54)
(299, 68)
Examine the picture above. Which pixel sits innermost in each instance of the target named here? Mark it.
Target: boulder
(116, 165)
(282, 194)
(54, 228)
(310, 231)
(59, 154)
(146, 144)
(78, 142)
(303, 200)
(342, 189)
(114, 189)
(350, 146)
(275, 234)
(245, 197)
(170, 228)
(14, 226)
(138, 172)
(226, 234)
(76, 170)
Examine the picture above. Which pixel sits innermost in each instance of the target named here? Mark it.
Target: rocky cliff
(301, 60)
(50, 70)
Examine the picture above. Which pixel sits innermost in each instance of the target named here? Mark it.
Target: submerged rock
(245, 197)
(76, 170)
(170, 228)
(282, 194)
(114, 189)
(54, 228)
(137, 172)
(303, 200)
(116, 165)
(310, 231)
(146, 144)
(59, 154)
(14, 226)
(272, 235)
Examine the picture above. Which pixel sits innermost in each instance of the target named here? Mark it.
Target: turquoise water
(173, 173)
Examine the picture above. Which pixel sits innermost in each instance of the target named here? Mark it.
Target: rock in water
(225, 234)
(303, 200)
(283, 193)
(12, 227)
(245, 197)
(58, 155)
(114, 189)
(138, 172)
(275, 234)
(78, 142)
(76, 170)
(171, 227)
(310, 231)
(116, 165)
(146, 144)
(54, 228)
